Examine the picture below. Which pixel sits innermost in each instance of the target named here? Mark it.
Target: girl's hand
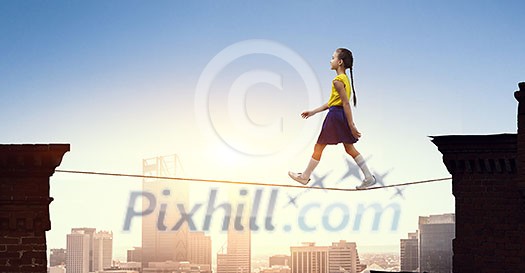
(307, 114)
(355, 132)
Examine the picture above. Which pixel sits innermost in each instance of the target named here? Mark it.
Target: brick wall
(24, 204)
(487, 177)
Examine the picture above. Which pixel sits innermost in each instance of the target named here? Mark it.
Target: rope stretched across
(247, 182)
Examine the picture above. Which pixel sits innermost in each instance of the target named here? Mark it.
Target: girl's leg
(318, 151)
(304, 177)
(350, 149)
(314, 161)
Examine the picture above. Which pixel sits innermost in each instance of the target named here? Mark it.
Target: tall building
(343, 257)
(103, 250)
(135, 255)
(199, 248)
(77, 252)
(409, 256)
(57, 257)
(436, 233)
(279, 260)
(309, 258)
(159, 241)
(239, 249)
(237, 258)
(91, 233)
(224, 265)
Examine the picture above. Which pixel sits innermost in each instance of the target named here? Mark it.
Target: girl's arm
(340, 87)
(307, 114)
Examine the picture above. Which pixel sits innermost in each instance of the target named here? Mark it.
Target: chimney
(520, 155)
(488, 182)
(24, 204)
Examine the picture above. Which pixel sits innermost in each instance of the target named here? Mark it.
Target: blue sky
(117, 80)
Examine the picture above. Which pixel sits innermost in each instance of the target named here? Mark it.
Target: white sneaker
(299, 178)
(367, 182)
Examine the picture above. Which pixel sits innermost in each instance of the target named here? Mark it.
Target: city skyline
(368, 249)
(340, 254)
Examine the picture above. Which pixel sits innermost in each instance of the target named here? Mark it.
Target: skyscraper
(160, 242)
(199, 248)
(343, 257)
(238, 257)
(77, 253)
(436, 233)
(409, 252)
(239, 249)
(103, 250)
(91, 233)
(309, 258)
(224, 265)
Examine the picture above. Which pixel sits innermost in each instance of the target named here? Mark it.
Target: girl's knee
(350, 149)
(318, 151)
(317, 154)
(319, 148)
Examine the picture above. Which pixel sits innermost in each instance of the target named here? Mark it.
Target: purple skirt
(335, 128)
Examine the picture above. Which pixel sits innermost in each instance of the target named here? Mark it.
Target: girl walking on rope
(338, 126)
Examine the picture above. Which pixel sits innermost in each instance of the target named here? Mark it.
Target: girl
(338, 125)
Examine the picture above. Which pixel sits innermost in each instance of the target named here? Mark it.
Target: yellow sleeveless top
(335, 100)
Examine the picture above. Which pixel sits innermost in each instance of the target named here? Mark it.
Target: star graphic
(292, 200)
(380, 177)
(353, 170)
(319, 181)
(399, 191)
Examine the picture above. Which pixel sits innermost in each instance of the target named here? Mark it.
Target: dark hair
(348, 61)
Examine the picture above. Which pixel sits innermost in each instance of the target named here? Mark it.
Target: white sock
(310, 168)
(362, 164)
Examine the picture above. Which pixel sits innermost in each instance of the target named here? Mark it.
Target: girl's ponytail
(348, 61)
(353, 89)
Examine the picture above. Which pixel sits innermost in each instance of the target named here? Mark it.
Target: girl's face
(335, 62)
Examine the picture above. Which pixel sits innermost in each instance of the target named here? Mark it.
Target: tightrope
(200, 180)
